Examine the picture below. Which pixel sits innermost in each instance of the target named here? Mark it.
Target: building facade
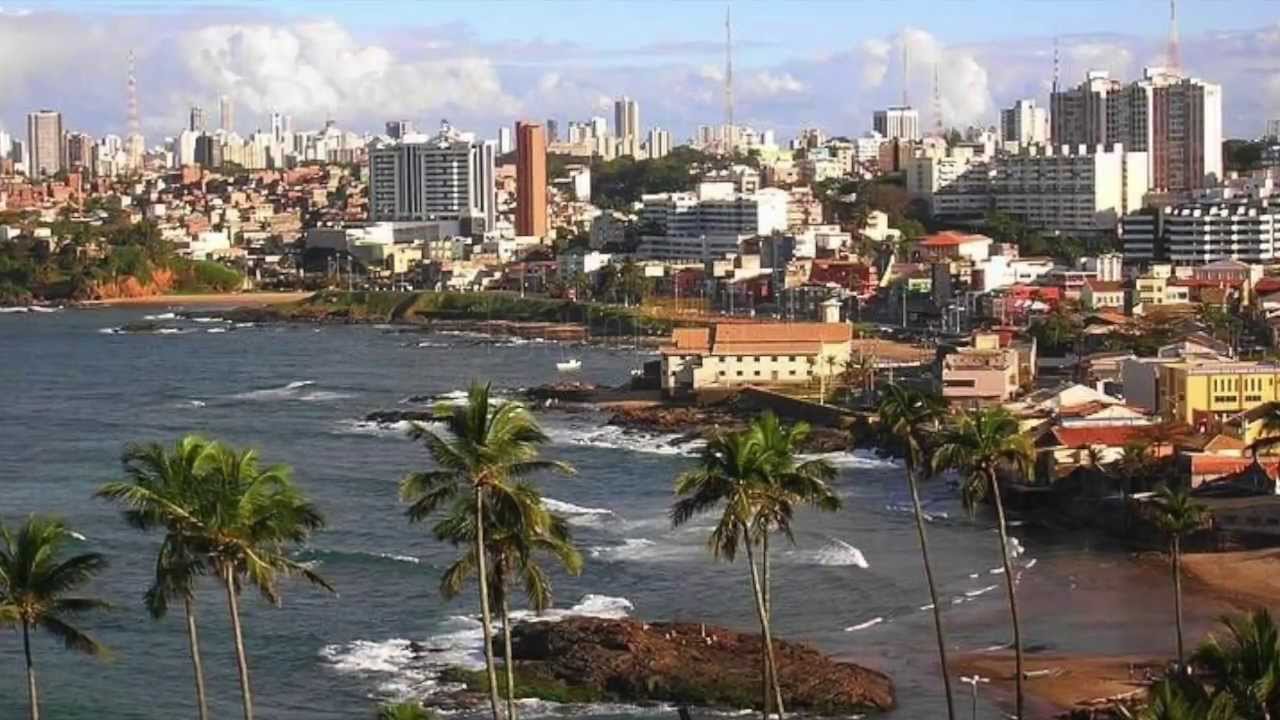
(897, 123)
(733, 355)
(1201, 233)
(45, 149)
(531, 179)
(442, 178)
(1024, 123)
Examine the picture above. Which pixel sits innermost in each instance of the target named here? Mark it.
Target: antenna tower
(906, 67)
(1055, 65)
(937, 103)
(135, 125)
(1175, 55)
(728, 81)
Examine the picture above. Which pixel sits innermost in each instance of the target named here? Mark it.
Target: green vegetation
(1033, 242)
(90, 256)
(1243, 155)
(528, 684)
(619, 183)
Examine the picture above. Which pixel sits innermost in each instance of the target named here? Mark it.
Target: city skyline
(323, 61)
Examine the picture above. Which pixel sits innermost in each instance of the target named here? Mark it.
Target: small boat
(569, 365)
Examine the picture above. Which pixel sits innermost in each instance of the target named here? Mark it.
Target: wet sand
(1058, 683)
(1248, 579)
(218, 300)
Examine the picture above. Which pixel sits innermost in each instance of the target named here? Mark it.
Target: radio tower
(134, 145)
(937, 104)
(1175, 56)
(729, 130)
(1055, 65)
(906, 67)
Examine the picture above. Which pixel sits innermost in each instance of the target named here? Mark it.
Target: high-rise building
(659, 143)
(1176, 120)
(626, 118)
(6, 146)
(44, 143)
(441, 178)
(184, 151)
(531, 179)
(505, 143)
(899, 122)
(79, 148)
(599, 127)
(398, 129)
(208, 151)
(196, 122)
(1024, 123)
(226, 114)
(553, 131)
(1273, 129)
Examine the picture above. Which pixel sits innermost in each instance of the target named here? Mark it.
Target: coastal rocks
(390, 417)
(631, 661)
(701, 422)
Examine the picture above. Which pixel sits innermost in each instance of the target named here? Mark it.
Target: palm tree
(161, 492)
(1268, 428)
(1244, 666)
(489, 447)
(730, 472)
(35, 583)
(979, 446)
(861, 372)
(1181, 698)
(786, 484)
(1177, 515)
(247, 519)
(519, 528)
(909, 416)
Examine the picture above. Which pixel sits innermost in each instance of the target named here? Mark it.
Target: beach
(1058, 683)
(1247, 579)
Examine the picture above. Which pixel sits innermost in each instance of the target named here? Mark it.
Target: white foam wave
(196, 403)
(208, 319)
(1031, 563)
(160, 316)
(76, 535)
(284, 392)
(402, 668)
(400, 558)
(860, 458)
(630, 549)
(838, 553)
(364, 427)
(907, 509)
(111, 331)
(216, 330)
(617, 438)
(927, 607)
(15, 309)
(996, 571)
(864, 625)
(980, 591)
(171, 331)
(325, 396)
(431, 344)
(576, 514)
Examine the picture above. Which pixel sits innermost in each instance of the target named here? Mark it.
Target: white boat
(569, 365)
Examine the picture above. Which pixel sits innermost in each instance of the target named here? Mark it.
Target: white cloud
(772, 84)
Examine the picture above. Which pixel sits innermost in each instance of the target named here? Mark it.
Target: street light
(973, 682)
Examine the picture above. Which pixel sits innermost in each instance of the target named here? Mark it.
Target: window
(792, 358)
(739, 373)
(721, 374)
(960, 383)
(739, 358)
(757, 373)
(793, 372)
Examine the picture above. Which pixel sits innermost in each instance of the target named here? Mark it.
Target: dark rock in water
(389, 417)
(262, 314)
(635, 662)
(141, 326)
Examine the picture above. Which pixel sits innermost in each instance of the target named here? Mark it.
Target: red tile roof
(1104, 285)
(949, 239)
(1109, 436)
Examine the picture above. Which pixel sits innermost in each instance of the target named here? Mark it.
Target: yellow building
(1158, 290)
(1198, 392)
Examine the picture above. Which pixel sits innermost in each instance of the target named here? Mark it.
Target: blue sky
(487, 62)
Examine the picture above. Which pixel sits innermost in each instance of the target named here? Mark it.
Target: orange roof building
(726, 355)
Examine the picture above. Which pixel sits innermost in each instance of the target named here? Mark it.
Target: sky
(485, 63)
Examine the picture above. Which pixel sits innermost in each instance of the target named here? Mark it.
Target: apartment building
(982, 374)
(708, 223)
(1197, 393)
(1199, 233)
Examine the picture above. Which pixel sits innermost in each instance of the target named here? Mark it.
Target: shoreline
(218, 300)
(1058, 683)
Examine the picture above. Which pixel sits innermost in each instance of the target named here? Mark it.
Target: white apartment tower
(1024, 123)
(441, 178)
(1175, 119)
(626, 118)
(44, 143)
(897, 123)
(659, 143)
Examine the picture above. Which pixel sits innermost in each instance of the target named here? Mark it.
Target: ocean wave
(161, 316)
(864, 625)
(860, 458)
(283, 392)
(16, 309)
(365, 427)
(401, 668)
(980, 591)
(578, 515)
(629, 549)
(613, 437)
(320, 555)
(111, 331)
(325, 396)
(432, 344)
(836, 553)
(170, 331)
(907, 509)
(216, 330)
(208, 320)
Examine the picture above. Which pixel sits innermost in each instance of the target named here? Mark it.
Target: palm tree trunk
(933, 590)
(772, 664)
(31, 672)
(1013, 601)
(1177, 592)
(486, 619)
(511, 673)
(201, 705)
(768, 613)
(242, 665)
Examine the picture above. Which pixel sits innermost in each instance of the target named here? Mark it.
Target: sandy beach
(1058, 683)
(218, 300)
(1248, 578)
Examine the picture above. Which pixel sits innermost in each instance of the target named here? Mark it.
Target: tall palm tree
(911, 416)
(35, 586)
(519, 530)
(248, 518)
(1177, 515)
(1268, 428)
(1243, 666)
(161, 492)
(786, 483)
(979, 446)
(730, 472)
(487, 449)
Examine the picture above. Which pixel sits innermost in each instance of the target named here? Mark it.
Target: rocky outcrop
(631, 661)
(699, 422)
(387, 417)
(161, 282)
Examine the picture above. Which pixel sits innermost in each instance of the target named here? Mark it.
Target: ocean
(75, 391)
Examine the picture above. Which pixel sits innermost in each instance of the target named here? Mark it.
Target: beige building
(727, 355)
(984, 373)
(1101, 294)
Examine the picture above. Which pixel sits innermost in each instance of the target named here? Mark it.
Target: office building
(1024, 124)
(626, 118)
(226, 114)
(45, 150)
(599, 127)
(1273, 129)
(553, 131)
(710, 222)
(208, 151)
(1199, 233)
(659, 143)
(1176, 120)
(897, 123)
(196, 121)
(79, 147)
(444, 178)
(399, 129)
(531, 179)
(505, 143)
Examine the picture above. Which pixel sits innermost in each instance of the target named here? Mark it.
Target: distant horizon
(483, 65)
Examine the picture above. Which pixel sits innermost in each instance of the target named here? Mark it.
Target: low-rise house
(983, 374)
(1102, 294)
(728, 355)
